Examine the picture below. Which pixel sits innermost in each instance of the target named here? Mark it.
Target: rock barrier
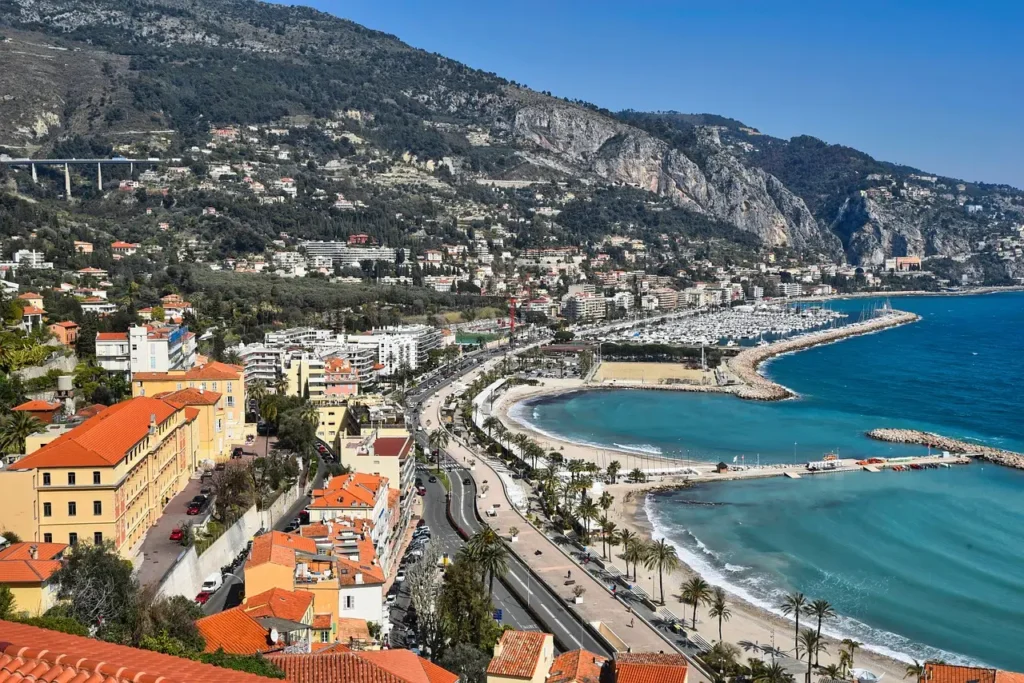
(945, 443)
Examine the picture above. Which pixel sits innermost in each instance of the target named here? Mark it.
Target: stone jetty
(759, 388)
(944, 443)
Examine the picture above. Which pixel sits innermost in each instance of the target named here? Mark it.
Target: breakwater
(759, 388)
(945, 443)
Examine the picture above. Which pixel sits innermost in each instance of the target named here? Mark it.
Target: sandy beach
(748, 622)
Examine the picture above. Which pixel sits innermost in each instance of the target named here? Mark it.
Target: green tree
(16, 428)
(914, 670)
(822, 610)
(6, 601)
(773, 673)
(466, 661)
(719, 608)
(98, 588)
(811, 643)
(613, 469)
(661, 555)
(695, 592)
(794, 604)
(466, 610)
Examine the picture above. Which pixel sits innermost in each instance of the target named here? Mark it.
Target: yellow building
(211, 442)
(334, 419)
(228, 426)
(385, 452)
(304, 375)
(108, 479)
(27, 569)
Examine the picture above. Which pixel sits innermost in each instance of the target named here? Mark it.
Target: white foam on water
(639, 448)
(761, 591)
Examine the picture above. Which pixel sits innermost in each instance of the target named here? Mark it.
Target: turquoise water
(917, 563)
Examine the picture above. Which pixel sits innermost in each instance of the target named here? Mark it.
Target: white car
(212, 583)
(400, 576)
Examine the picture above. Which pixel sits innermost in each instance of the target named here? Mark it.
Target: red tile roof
(386, 666)
(190, 397)
(101, 440)
(66, 324)
(111, 336)
(279, 548)
(212, 370)
(322, 622)
(235, 631)
(28, 653)
(350, 629)
(392, 446)
(650, 667)
(356, 490)
(18, 566)
(30, 295)
(949, 673)
(90, 411)
(32, 310)
(577, 666)
(37, 406)
(329, 648)
(280, 603)
(517, 654)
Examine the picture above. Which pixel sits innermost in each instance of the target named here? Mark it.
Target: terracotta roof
(322, 622)
(32, 310)
(949, 673)
(90, 411)
(235, 631)
(386, 666)
(190, 397)
(101, 440)
(517, 654)
(577, 666)
(191, 413)
(18, 566)
(66, 324)
(279, 548)
(111, 336)
(650, 667)
(28, 653)
(212, 370)
(356, 490)
(37, 406)
(123, 245)
(277, 602)
(350, 629)
(30, 295)
(392, 446)
(329, 648)
(314, 531)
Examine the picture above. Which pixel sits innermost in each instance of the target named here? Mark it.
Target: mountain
(84, 75)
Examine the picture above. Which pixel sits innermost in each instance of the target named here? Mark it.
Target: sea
(920, 564)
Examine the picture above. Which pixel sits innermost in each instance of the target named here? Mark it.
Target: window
(231, 387)
(72, 508)
(218, 424)
(350, 602)
(215, 386)
(325, 636)
(47, 538)
(202, 386)
(96, 478)
(97, 537)
(71, 478)
(231, 401)
(179, 386)
(152, 362)
(72, 538)
(97, 507)
(46, 478)
(47, 509)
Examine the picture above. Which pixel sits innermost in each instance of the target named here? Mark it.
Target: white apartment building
(585, 307)
(348, 254)
(262, 363)
(147, 348)
(401, 346)
(789, 289)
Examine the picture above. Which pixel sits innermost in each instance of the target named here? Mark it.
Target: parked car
(220, 467)
(400, 576)
(212, 583)
(206, 490)
(236, 452)
(202, 598)
(177, 534)
(466, 481)
(196, 507)
(432, 479)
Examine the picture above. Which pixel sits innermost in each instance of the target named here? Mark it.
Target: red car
(193, 509)
(202, 598)
(177, 535)
(421, 491)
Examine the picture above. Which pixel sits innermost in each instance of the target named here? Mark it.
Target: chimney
(202, 390)
(33, 552)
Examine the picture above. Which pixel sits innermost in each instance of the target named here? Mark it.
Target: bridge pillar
(35, 178)
(67, 182)
(99, 176)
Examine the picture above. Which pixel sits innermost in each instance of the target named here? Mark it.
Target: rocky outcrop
(872, 230)
(944, 443)
(721, 185)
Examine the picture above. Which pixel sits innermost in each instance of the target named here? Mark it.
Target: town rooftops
(385, 666)
(577, 666)
(102, 440)
(517, 654)
(37, 406)
(190, 397)
(356, 490)
(280, 603)
(392, 446)
(650, 667)
(32, 310)
(111, 336)
(278, 547)
(67, 324)
(28, 653)
(30, 562)
(236, 631)
(949, 673)
(208, 371)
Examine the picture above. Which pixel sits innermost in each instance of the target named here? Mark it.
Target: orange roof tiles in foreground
(279, 548)
(356, 490)
(280, 603)
(235, 631)
(102, 440)
(650, 667)
(17, 565)
(28, 653)
(577, 666)
(949, 673)
(321, 622)
(37, 406)
(517, 654)
(386, 666)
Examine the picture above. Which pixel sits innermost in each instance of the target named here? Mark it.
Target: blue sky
(937, 85)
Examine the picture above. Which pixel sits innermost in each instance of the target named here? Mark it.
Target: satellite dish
(274, 635)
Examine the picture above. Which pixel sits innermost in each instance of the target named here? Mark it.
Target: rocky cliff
(720, 185)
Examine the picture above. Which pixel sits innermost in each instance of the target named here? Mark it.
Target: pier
(799, 471)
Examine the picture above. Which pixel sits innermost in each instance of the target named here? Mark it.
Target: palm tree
(696, 592)
(613, 470)
(833, 671)
(612, 538)
(605, 501)
(494, 561)
(794, 603)
(268, 413)
(587, 511)
(608, 529)
(916, 670)
(500, 433)
(822, 610)
(849, 648)
(719, 608)
(522, 441)
(490, 423)
(438, 441)
(310, 415)
(636, 476)
(773, 673)
(812, 643)
(16, 428)
(722, 658)
(629, 539)
(662, 556)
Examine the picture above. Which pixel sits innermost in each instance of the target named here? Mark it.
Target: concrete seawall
(944, 443)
